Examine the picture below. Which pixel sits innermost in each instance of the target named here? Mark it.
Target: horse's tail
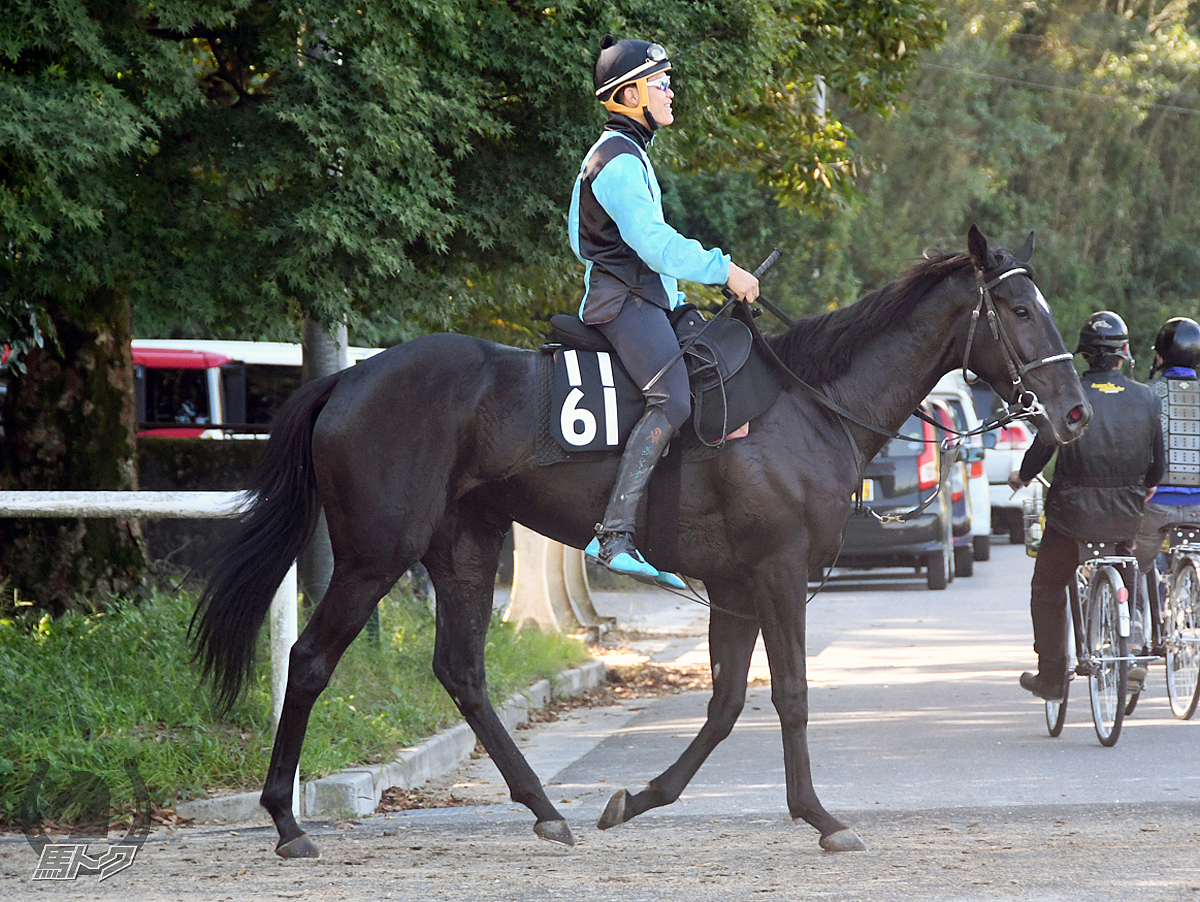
(254, 559)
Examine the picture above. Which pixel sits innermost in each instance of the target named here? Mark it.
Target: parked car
(959, 396)
(1011, 443)
(902, 475)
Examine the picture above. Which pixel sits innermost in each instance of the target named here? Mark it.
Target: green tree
(1075, 119)
(231, 167)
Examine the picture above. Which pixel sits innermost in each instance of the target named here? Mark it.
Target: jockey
(632, 261)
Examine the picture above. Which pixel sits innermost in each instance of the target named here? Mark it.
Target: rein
(1027, 403)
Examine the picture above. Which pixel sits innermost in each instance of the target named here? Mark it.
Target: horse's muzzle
(1073, 423)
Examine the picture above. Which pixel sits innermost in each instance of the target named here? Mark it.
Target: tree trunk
(325, 353)
(71, 426)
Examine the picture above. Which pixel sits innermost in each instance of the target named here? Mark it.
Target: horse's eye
(1022, 311)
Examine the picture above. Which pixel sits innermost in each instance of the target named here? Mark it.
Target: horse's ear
(978, 247)
(1022, 256)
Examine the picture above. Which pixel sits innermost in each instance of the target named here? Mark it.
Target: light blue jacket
(618, 230)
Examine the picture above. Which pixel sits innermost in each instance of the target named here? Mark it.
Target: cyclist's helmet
(627, 62)
(1104, 335)
(1178, 343)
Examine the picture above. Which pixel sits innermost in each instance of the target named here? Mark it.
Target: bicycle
(1100, 624)
(1175, 621)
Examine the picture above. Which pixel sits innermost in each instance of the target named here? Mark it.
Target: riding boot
(614, 546)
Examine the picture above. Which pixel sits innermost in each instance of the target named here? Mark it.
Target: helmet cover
(1178, 342)
(1103, 333)
(626, 62)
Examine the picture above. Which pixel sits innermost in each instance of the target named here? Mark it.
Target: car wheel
(982, 548)
(964, 560)
(936, 566)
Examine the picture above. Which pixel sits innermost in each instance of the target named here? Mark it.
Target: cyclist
(1176, 356)
(1101, 482)
(633, 260)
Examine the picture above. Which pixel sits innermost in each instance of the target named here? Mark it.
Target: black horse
(426, 453)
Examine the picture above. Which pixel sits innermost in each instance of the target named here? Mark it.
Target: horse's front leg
(782, 609)
(731, 637)
(462, 566)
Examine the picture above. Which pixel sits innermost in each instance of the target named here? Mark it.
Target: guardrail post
(284, 628)
(550, 588)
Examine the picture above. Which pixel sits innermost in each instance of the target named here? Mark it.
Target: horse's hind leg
(340, 616)
(731, 645)
(462, 564)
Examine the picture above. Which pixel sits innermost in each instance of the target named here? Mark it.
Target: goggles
(663, 84)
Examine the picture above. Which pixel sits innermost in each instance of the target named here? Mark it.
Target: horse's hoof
(300, 847)
(614, 811)
(844, 840)
(555, 831)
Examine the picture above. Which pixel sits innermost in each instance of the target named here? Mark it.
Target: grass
(89, 692)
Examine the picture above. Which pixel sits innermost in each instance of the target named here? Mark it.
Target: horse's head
(1013, 343)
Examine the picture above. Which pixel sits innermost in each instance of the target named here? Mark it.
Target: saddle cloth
(595, 404)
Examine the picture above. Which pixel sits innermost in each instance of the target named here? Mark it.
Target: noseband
(1027, 400)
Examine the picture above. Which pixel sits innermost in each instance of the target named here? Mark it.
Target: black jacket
(1100, 480)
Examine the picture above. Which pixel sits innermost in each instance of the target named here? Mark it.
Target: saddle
(731, 383)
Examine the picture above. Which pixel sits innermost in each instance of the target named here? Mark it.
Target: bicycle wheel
(1181, 633)
(1107, 649)
(1056, 712)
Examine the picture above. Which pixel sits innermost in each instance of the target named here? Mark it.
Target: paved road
(914, 704)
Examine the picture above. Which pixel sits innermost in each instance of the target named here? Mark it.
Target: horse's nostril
(1075, 414)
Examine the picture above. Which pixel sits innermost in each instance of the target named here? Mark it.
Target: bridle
(1026, 404)
(1027, 401)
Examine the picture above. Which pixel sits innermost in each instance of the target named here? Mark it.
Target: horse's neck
(887, 382)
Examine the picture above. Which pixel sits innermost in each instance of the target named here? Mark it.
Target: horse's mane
(820, 348)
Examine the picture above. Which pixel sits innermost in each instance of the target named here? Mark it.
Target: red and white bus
(215, 389)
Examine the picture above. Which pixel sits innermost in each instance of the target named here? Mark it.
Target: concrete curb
(355, 792)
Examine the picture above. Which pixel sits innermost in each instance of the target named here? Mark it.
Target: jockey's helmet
(1104, 335)
(627, 62)
(1178, 342)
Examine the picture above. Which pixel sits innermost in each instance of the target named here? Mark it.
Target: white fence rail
(550, 589)
(183, 506)
(165, 505)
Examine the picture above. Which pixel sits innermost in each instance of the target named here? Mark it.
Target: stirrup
(625, 560)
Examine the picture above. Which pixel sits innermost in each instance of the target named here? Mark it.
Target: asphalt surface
(914, 704)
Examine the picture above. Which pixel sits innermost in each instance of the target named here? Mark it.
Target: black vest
(1100, 479)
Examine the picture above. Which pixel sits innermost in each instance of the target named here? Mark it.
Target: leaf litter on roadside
(646, 679)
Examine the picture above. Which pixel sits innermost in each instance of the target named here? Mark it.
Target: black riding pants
(1057, 558)
(644, 342)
